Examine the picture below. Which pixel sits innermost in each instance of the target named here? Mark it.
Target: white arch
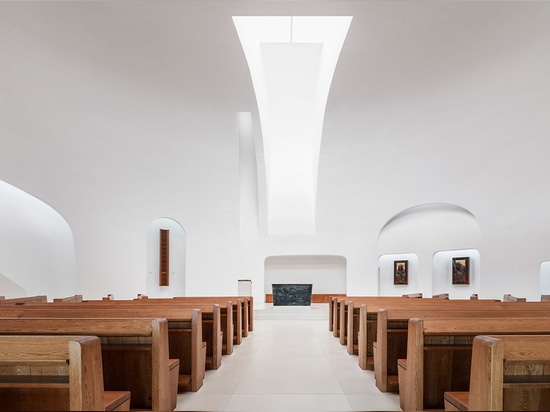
(178, 245)
(434, 232)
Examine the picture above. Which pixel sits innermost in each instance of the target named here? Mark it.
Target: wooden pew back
(185, 335)
(134, 353)
(439, 355)
(392, 327)
(508, 372)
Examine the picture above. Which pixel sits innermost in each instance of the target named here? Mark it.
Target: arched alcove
(176, 250)
(545, 278)
(37, 249)
(327, 273)
(424, 231)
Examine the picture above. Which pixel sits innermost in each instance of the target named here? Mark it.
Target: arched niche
(545, 278)
(37, 248)
(176, 254)
(425, 230)
(327, 273)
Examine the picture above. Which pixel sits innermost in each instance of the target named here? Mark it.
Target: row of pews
(108, 354)
(438, 353)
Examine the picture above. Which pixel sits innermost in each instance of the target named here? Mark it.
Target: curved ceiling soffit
(152, 223)
(426, 208)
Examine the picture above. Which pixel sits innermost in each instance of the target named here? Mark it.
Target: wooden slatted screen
(164, 255)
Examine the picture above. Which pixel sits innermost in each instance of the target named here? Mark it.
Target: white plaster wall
(37, 253)
(327, 274)
(385, 276)
(442, 273)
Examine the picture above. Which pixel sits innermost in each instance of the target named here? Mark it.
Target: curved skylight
(291, 61)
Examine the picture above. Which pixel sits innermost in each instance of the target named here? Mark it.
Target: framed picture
(461, 271)
(401, 272)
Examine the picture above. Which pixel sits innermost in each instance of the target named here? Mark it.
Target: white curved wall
(37, 252)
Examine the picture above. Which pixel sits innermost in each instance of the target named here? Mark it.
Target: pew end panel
(55, 373)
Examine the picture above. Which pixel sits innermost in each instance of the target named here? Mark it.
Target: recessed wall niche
(166, 249)
(327, 273)
(392, 283)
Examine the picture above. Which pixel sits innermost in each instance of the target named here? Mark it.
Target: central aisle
(290, 362)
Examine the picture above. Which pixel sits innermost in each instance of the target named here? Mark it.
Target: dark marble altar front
(288, 294)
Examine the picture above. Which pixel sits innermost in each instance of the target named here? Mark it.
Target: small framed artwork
(401, 272)
(461, 271)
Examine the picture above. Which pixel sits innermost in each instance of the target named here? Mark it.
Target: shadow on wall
(10, 289)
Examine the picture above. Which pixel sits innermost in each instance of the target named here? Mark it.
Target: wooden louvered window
(164, 255)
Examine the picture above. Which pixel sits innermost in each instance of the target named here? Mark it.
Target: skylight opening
(292, 61)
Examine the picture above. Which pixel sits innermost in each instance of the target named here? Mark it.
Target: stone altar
(288, 294)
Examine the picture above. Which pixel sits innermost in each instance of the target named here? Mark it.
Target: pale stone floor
(290, 362)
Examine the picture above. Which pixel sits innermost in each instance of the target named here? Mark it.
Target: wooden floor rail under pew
(213, 325)
(134, 354)
(392, 328)
(58, 373)
(508, 373)
(23, 300)
(184, 330)
(367, 323)
(439, 353)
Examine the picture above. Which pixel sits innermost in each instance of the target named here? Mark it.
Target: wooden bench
(212, 326)
(184, 330)
(74, 298)
(368, 318)
(392, 328)
(509, 298)
(439, 353)
(230, 316)
(508, 372)
(134, 354)
(25, 299)
(217, 324)
(55, 373)
(242, 309)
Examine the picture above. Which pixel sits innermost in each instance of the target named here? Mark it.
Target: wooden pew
(441, 296)
(74, 298)
(392, 328)
(25, 299)
(242, 312)
(134, 354)
(230, 316)
(545, 298)
(508, 373)
(211, 319)
(55, 373)
(509, 298)
(439, 352)
(368, 318)
(184, 330)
